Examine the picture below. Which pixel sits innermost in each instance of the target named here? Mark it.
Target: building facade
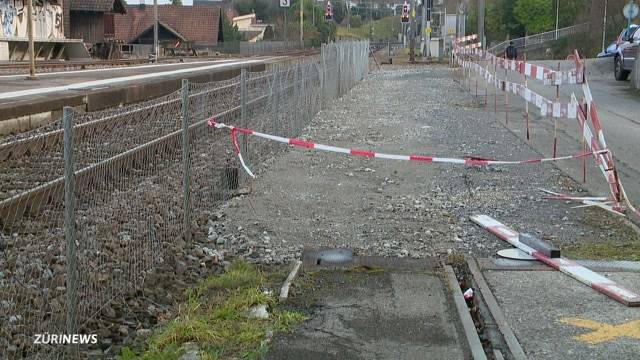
(93, 20)
(50, 31)
(48, 17)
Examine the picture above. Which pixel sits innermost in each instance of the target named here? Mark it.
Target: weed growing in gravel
(606, 250)
(215, 318)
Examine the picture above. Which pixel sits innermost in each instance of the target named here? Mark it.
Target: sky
(136, 2)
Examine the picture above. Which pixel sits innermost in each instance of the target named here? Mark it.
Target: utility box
(435, 48)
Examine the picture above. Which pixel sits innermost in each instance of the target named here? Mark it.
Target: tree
(339, 11)
(500, 22)
(535, 15)
(268, 33)
(230, 32)
(264, 9)
(176, 2)
(356, 21)
(322, 31)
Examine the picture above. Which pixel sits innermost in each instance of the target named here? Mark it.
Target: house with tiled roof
(225, 5)
(250, 27)
(193, 25)
(92, 20)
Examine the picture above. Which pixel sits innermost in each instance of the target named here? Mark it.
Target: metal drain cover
(331, 256)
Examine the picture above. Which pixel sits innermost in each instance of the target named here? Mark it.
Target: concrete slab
(373, 315)
(556, 317)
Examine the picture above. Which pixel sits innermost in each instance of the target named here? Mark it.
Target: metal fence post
(186, 165)
(303, 98)
(339, 69)
(243, 97)
(271, 86)
(321, 76)
(300, 92)
(274, 98)
(243, 101)
(70, 223)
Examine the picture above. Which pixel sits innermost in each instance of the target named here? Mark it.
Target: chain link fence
(94, 205)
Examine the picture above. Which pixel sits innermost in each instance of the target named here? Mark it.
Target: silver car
(626, 53)
(613, 47)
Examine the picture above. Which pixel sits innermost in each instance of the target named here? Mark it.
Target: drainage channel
(489, 334)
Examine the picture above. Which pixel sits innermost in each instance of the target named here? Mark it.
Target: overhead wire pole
(423, 40)
(412, 32)
(481, 21)
(301, 24)
(557, 16)
(604, 23)
(156, 48)
(428, 27)
(32, 56)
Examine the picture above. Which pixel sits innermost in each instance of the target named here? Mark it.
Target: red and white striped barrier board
(472, 46)
(594, 280)
(466, 38)
(603, 161)
(370, 154)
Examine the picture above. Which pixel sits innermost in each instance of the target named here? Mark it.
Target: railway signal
(405, 13)
(328, 11)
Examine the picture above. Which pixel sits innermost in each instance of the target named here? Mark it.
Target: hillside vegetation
(384, 29)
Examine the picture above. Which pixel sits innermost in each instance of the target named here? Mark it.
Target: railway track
(129, 200)
(32, 164)
(32, 167)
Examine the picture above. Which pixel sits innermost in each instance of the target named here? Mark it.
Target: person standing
(511, 52)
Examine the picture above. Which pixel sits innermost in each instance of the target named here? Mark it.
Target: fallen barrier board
(569, 267)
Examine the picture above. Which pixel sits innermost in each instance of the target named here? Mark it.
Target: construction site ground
(305, 199)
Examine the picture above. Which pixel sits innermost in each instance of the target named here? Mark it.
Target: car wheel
(620, 73)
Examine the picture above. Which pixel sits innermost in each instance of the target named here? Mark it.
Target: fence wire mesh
(147, 179)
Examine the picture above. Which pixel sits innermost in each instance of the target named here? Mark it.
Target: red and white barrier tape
(371, 154)
(538, 72)
(592, 279)
(547, 107)
(604, 160)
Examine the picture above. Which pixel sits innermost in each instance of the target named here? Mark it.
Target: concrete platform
(399, 313)
(27, 104)
(556, 317)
